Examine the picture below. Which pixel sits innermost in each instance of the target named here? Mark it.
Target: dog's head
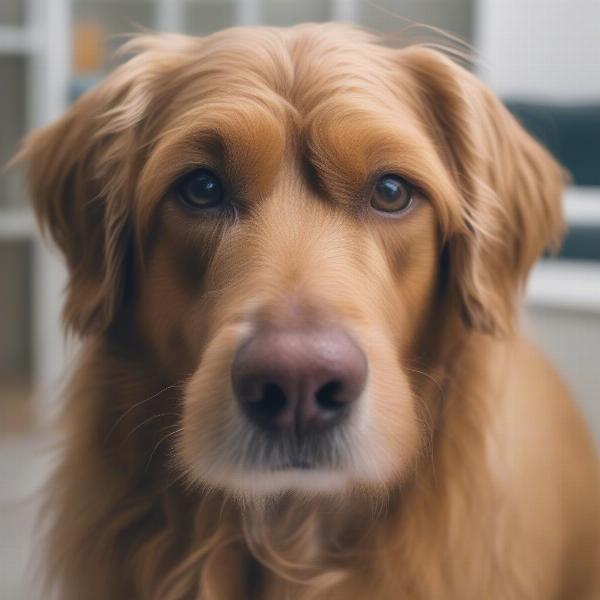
(292, 221)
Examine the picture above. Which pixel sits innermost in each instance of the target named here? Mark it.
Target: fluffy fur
(464, 474)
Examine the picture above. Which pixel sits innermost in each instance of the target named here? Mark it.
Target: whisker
(179, 384)
(430, 378)
(150, 418)
(161, 441)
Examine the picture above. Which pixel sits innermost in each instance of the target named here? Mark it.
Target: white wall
(540, 48)
(571, 340)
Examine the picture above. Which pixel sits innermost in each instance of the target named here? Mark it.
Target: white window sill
(565, 284)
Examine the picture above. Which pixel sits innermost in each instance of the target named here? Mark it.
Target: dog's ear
(510, 189)
(81, 176)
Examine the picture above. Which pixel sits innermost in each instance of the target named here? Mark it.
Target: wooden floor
(25, 461)
(16, 406)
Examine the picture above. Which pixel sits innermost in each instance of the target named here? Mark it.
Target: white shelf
(345, 10)
(169, 15)
(16, 224)
(17, 40)
(565, 284)
(582, 205)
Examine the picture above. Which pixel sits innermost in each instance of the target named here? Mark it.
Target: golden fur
(466, 474)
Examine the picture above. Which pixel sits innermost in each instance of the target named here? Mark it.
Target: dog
(296, 258)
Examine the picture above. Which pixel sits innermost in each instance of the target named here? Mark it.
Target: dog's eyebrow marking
(243, 139)
(348, 144)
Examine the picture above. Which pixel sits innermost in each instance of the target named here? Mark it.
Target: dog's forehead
(301, 65)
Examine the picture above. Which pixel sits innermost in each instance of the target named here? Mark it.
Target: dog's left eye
(392, 194)
(200, 189)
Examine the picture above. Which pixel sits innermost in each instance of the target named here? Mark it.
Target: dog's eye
(392, 194)
(200, 189)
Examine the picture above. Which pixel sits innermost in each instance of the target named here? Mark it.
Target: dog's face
(290, 220)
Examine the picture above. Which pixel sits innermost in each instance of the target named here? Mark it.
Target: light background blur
(541, 56)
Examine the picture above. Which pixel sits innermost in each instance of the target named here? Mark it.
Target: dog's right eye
(200, 189)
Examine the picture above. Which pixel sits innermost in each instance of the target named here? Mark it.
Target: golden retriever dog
(296, 258)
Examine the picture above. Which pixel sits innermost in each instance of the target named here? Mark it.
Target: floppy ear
(510, 189)
(81, 175)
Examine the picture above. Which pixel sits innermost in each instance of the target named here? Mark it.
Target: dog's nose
(298, 380)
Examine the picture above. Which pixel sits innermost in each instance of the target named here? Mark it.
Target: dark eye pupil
(203, 186)
(391, 194)
(201, 189)
(389, 188)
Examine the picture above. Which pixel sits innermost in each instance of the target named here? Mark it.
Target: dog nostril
(272, 401)
(328, 396)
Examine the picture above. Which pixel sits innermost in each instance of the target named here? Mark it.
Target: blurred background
(541, 56)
